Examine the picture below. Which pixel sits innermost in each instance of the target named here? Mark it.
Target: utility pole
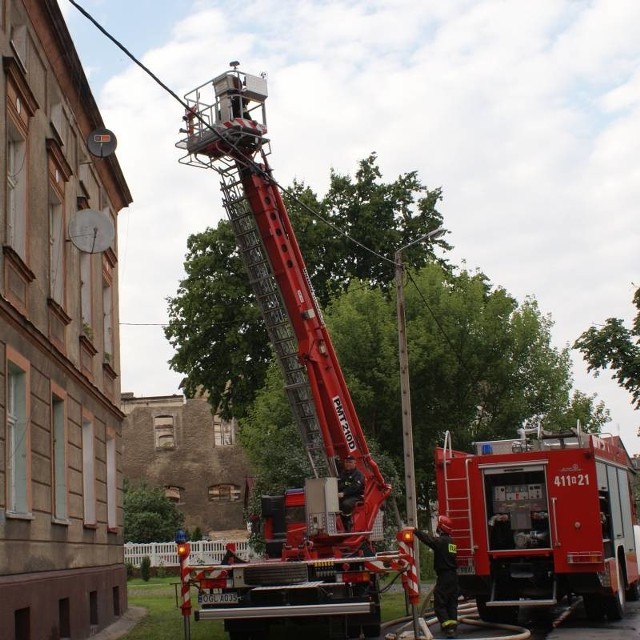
(407, 425)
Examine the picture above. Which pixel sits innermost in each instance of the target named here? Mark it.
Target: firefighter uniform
(350, 489)
(445, 595)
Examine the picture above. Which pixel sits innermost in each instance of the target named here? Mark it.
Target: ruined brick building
(182, 446)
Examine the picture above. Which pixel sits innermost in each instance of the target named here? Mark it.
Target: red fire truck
(541, 517)
(314, 570)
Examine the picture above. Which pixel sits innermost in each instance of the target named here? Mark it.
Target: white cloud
(525, 114)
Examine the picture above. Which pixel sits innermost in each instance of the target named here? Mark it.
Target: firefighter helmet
(445, 524)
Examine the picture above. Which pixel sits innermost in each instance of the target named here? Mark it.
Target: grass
(164, 620)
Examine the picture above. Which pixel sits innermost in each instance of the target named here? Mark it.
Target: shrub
(145, 568)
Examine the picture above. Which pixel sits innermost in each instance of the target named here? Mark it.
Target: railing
(164, 554)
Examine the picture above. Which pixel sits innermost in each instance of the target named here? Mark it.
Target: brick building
(182, 446)
(61, 556)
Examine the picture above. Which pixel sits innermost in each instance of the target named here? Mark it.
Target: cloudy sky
(527, 114)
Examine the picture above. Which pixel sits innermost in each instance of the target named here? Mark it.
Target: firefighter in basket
(350, 490)
(445, 595)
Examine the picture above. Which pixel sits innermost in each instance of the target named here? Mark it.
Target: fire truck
(541, 517)
(314, 569)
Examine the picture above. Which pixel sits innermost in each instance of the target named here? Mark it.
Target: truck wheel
(614, 605)
(632, 594)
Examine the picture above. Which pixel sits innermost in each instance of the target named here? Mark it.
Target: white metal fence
(164, 554)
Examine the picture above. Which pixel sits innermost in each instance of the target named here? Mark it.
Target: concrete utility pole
(407, 425)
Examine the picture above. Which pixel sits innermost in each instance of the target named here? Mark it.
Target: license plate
(230, 597)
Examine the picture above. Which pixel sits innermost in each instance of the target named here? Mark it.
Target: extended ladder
(276, 318)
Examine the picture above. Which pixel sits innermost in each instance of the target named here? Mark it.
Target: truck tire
(632, 594)
(614, 605)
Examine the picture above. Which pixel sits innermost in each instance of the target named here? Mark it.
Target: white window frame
(56, 252)
(107, 321)
(88, 471)
(16, 190)
(18, 445)
(112, 481)
(86, 286)
(60, 488)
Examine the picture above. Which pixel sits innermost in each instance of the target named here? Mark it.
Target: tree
(615, 347)
(149, 516)
(215, 328)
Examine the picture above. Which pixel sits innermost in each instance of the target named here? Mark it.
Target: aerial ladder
(226, 127)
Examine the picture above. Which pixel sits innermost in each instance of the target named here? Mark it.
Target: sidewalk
(132, 616)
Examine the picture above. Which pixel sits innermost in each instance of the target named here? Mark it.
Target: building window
(85, 294)
(112, 481)
(19, 43)
(164, 433)
(107, 323)
(18, 438)
(174, 494)
(224, 493)
(56, 251)
(17, 190)
(59, 173)
(224, 432)
(59, 456)
(88, 472)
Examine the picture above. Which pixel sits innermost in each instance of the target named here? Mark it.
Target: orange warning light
(405, 535)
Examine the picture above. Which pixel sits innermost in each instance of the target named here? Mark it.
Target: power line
(247, 161)
(438, 324)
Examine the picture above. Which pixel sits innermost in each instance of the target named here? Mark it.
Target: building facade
(61, 556)
(183, 447)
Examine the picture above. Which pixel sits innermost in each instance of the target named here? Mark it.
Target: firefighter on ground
(350, 489)
(445, 595)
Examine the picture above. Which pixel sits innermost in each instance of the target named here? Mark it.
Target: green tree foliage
(215, 328)
(613, 346)
(149, 516)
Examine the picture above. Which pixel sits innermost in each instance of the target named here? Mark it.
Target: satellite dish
(102, 142)
(91, 231)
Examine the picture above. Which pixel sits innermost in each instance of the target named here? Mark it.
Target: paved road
(577, 627)
(574, 627)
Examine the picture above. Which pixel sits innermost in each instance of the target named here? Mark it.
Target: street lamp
(407, 427)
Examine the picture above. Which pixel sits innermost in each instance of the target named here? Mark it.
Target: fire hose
(469, 612)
